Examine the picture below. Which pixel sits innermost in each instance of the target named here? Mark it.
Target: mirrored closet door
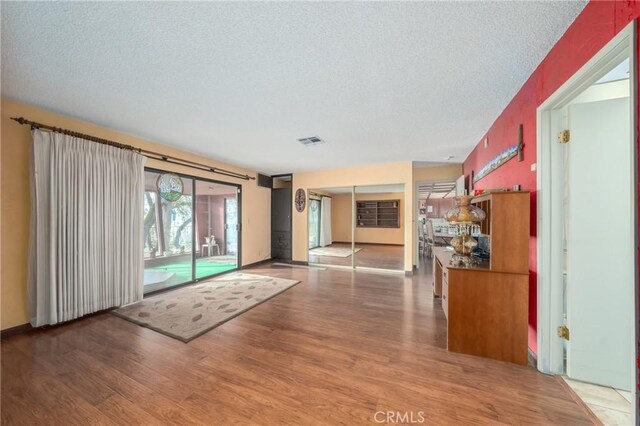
(379, 227)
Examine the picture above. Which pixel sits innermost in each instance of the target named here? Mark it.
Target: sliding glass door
(216, 238)
(190, 229)
(168, 248)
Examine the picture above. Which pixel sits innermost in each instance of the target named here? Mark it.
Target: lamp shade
(464, 211)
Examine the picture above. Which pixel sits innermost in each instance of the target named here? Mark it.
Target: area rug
(190, 311)
(333, 251)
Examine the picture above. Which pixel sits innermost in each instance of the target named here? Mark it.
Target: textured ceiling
(378, 81)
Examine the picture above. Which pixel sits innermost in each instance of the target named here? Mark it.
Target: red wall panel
(598, 23)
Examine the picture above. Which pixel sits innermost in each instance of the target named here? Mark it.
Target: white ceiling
(241, 81)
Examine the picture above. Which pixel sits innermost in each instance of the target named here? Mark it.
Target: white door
(599, 221)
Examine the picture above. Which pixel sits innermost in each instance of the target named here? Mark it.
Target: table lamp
(463, 219)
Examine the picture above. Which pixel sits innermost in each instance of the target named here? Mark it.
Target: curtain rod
(149, 154)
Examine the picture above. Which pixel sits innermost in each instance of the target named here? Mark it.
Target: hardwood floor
(335, 349)
(371, 256)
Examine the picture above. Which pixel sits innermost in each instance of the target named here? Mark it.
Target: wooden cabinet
(487, 314)
(487, 306)
(437, 277)
(507, 226)
(445, 293)
(378, 214)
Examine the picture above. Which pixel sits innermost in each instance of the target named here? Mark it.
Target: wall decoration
(500, 159)
(170, 187)
(301, 200)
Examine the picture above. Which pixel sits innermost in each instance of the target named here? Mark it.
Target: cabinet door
(445, 298)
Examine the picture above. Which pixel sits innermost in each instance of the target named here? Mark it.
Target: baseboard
(258, 263)
(12, 331)
(533, 359)
(297, 262)
(371, 244)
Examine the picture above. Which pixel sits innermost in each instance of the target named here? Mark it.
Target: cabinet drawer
(445, 275)
(445, 298)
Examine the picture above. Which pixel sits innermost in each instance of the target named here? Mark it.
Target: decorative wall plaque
(170, 187)
(500, 159)
(301, 200)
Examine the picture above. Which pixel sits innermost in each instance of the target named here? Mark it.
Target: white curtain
(86, 247)
(325, 222)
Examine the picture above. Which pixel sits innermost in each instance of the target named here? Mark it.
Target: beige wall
(448, 172)
(375, 174)
(281, 184)
(341, 218)
(15, 207)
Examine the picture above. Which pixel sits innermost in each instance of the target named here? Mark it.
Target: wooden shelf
(507, 225)
(378, 214)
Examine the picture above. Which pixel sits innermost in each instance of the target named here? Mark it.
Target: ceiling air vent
(313, 140)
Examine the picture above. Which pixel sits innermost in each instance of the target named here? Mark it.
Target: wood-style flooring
(380, 256)
(335, 349)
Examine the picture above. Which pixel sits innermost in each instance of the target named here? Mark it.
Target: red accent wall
(598, 23)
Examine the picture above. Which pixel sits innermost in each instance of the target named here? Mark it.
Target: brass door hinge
(563, 331)
(564, 136)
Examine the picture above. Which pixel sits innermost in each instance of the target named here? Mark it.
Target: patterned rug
(333, 251)
(190, 311)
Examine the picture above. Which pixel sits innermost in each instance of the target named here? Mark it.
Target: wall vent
(313, 140)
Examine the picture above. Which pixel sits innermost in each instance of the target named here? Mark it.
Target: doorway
(587, 226)
(433, 200)
(281, 202)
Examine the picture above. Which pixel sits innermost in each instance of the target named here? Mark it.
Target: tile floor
(611, 406)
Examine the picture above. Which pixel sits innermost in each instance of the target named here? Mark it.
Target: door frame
(318, 226)
(549, 196)
(239, 219)
(417, 261)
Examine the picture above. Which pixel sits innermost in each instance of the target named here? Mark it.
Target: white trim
(549, 120)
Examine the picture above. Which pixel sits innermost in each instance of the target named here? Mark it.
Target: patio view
(192, 237)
